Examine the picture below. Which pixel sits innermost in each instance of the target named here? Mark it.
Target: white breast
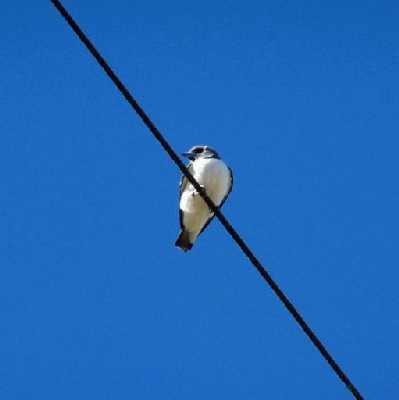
(214, 175)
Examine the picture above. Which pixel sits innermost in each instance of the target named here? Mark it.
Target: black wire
(255, 262)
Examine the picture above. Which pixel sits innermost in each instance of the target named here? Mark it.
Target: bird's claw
(196, 193)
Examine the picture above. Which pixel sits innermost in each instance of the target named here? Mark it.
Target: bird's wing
(183, 184)
(221, 204)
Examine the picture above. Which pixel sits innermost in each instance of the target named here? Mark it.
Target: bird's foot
(195, 193)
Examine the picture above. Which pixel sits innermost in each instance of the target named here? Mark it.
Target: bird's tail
(183, 241)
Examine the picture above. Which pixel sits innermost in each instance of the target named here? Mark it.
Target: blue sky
(300, 98)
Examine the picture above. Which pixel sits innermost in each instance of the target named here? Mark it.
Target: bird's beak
(190, 156)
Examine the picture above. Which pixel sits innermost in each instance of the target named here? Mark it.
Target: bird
(216, 178)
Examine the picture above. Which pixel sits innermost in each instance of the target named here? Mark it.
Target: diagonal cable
(233, 233)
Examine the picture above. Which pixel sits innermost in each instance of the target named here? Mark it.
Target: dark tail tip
(183, 241)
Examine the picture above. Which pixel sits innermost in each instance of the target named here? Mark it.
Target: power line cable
(233, 233)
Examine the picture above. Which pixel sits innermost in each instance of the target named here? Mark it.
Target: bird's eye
(198, 150)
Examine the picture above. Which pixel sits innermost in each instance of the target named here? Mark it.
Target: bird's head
(200, 152)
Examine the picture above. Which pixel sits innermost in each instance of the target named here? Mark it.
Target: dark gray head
(201, 152)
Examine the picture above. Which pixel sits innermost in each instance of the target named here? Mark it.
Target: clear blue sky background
(300, 98)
